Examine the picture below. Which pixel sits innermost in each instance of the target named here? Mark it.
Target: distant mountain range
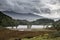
(43, 21)
(22, 16)
(6, 20)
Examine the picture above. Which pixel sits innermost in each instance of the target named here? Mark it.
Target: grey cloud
(30, 6)
(53, 2)
(45, 10)
(20, 6)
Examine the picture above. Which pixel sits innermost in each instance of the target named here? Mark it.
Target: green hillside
(5, 20)
(43, 21)
(8, 21)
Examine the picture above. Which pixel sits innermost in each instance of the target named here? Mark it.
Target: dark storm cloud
(20, 6)
(43, 8)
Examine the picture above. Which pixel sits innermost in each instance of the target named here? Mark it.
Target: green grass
(42, 38)
(6, 34)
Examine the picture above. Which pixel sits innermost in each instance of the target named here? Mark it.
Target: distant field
(6, 34)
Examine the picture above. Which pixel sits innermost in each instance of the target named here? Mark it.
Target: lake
(32, 27)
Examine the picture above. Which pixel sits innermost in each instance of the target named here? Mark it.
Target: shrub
(55, 34)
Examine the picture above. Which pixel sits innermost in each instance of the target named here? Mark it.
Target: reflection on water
(24, 27)
(33, 26)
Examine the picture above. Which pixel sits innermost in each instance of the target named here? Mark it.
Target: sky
(40, 8)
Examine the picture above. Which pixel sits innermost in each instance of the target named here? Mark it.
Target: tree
(29, 25)
(56, 25)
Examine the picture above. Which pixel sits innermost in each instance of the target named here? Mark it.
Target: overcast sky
(45, 8)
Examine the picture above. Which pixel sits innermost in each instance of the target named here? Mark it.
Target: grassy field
(6, 34)
(42, 38)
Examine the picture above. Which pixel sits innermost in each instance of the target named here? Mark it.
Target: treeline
(56, 25)
(5, 20)
(43, 21)
(8, 21)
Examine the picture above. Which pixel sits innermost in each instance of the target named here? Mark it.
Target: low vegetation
(42, 38)
(6, 34)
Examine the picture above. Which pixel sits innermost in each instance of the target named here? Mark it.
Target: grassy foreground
(6, 34)
(42, 38)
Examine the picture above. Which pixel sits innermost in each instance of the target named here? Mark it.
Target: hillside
(4, 19)
(43, 21)
(8, 21)
(56, 25)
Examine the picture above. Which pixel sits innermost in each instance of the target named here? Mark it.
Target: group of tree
(56, 25)
(6, 21)
(43, 21)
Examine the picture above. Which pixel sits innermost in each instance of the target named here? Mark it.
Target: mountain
(4, 19)
(43, 21)
(23, 16)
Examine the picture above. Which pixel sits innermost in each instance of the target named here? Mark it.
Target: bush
(55, 34)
